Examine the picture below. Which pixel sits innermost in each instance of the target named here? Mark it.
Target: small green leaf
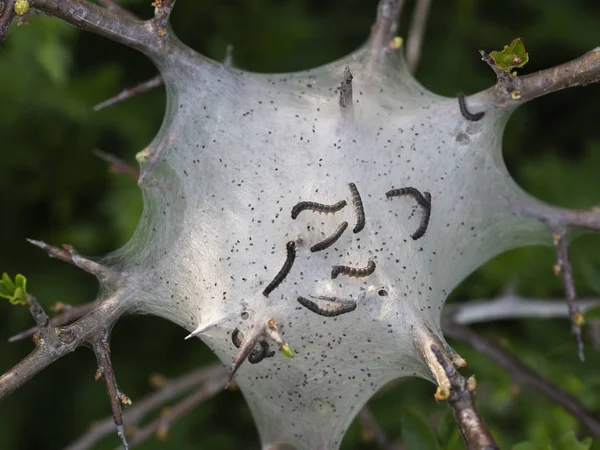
(416, 434)
(525, 446)
(287, 350)
(570, 442)
(15, 292)
(512, 56)
(591, 274)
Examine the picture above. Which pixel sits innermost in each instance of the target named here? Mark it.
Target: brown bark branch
(462, 401)
(117, 165)
(125, 94)
(70, 314)
(383, 31)
(69, 338)
(7, 14)
(68, 254)
(101, 348)
(512, 91)
(523, 373)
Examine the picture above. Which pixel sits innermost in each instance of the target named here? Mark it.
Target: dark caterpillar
(317, 207)
(331, 311)
(358, 208)
(235, 338)
(328, 242)
(257, 356)
(465, 112)
(352, 271)
(287, 266)
(423, 200)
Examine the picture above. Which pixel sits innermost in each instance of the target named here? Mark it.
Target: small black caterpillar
(285, 269)
(423, 200)
(352, 271)
(235, 338)
(327, 242)
(257, 356)
(331, 311)
(317, 207)
(358, 208)
(425, 215)
(465, 112)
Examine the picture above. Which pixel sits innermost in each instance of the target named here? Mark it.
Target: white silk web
(237, 151)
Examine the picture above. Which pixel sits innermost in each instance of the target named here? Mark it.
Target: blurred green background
(54, 189)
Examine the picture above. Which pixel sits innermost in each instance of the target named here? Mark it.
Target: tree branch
(521, 372)
(69, 338)
(141, 88)
(511, 307)
(70, 314)
(512, 91)
(462, 401)
(7, 14)
(384, 29)
(415, 34)
(68, 254)
(101, 348)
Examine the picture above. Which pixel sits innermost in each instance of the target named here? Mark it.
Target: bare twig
(462, 402)
(44, 327)
(117, 165)
(7, 14)
(415, 34)
(384, 29)
(511, 307)
(69, 315)
(101, 348)
(169, 391)
(563, 267)
(68, 254)
(521, 372)
(141, 88)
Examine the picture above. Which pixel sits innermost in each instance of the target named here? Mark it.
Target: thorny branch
(101, 348)
(521, 372)
(141, 88)
(68, 254)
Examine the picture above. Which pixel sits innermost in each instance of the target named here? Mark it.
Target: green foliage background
(52, 188)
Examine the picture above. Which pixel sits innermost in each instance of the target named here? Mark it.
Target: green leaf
(512, 56)
(416, 434)
(570, 442)
(591, 274)
(525, 446)
(16, 291)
